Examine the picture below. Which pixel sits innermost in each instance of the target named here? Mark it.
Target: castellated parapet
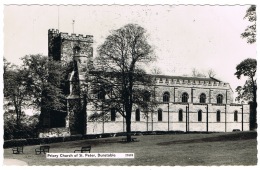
(73, 37)
(190, 81)
(62, 46)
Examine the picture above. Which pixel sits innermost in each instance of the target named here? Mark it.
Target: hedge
(40, 141)
(15, 142)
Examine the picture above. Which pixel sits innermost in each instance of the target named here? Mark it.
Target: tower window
(76, 50)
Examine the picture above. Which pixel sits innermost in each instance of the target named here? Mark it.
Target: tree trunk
(128, 123)
(254, 108)
(128, 127)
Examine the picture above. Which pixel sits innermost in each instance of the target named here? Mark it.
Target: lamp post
(103, 119)
(207, 119)
(168, 116)
(186, 118)
(242, 116)
(154, 97)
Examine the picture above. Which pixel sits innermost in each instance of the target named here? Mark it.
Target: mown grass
(234, 148)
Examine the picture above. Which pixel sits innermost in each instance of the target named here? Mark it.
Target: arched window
(76, 50)
(180, 115)
(137, 115)
(218, 116)
(184, 97)
(219, 99)
(159, 115)
(203, 98)
(166, 97)
(235, 116)
(199, 116)
(146, 96)
(101, 94)
(113, 114)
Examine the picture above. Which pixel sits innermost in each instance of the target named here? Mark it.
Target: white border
(111, 2)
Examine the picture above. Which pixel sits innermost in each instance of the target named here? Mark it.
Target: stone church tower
(75, 51)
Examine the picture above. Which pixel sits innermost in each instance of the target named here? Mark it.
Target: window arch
(184, 97)
(218, 116)
(113, 114)
(137, 115)
(203, 98)
(180, 115)
(159, 115)
(199, 115)
(235, 116)
(76, 50)
(166, 97)
(219, 99)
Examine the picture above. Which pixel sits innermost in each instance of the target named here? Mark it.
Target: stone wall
(54, 132)
(226, 124)
(194, 93)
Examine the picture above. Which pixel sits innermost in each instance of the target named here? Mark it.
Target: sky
(183, 36)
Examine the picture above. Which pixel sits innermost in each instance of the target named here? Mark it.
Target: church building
(187, 104)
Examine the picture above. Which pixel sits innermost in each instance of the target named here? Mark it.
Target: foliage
(27, 128)
(120, 80)
(37, 83)
(247, 68)
(250, 31)
(44, 82)
(15, 91)
(245, 93)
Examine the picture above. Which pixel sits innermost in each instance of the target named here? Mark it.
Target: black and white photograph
(129, 85)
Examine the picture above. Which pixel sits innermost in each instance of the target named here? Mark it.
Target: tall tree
(247, 68)
(15, 91)
(250, 31)
(120, 82)
(44, 83)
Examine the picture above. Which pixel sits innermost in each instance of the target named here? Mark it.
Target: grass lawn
(234, 148)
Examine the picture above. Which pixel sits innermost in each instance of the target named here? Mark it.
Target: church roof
(188, 78)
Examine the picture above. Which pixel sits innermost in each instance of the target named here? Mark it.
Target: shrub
(72, 138)
(15, 142)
